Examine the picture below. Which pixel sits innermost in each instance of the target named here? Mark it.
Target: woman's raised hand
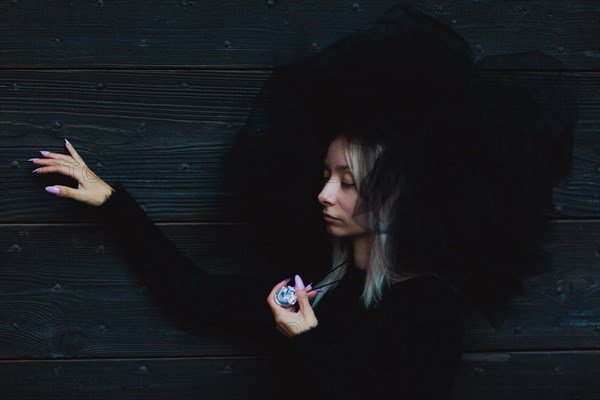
(294, 320)
(90, 189)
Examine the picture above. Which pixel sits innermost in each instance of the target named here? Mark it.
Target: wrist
(106, 195)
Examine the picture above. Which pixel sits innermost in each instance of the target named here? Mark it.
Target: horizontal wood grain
(263, 34)
(67, 292)
(513, 375)
(151, 378)
(163, 135)
(565, 375)
(153, 94)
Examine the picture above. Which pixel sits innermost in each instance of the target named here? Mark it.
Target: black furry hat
(473, 149)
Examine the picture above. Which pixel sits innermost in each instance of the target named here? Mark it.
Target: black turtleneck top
(407, 347)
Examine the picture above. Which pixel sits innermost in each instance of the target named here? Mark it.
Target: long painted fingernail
(52, 189)
(299, 285)
(44, 152)
(36, 170)
(33, 159)
(286, 280)
(68, 143)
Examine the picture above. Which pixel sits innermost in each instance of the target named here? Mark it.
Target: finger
(298, 284)
(64, 191)
(53, 161)
(63, 169)
(58, 156)
(42, 161)
(73, 152)
(303, 302)
(305, 308)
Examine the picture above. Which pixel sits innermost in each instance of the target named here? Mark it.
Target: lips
(329, 217)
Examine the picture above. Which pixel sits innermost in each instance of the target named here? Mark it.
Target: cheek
(354, 207)
(361, 214)
(346, 204)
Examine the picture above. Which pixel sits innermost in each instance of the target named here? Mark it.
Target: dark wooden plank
(222, 34)
(566, 375)
(169, 130)
(89, 301)
(184, 378)
(490, 376)
(66, 292)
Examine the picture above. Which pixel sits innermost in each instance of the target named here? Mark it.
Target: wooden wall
(152, 94)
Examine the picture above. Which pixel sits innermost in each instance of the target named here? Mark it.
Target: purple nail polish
(299, 285)
(44, 152)
(68, 143)
(52, 189)
(33, 159)
(36, 170)
(287, 280)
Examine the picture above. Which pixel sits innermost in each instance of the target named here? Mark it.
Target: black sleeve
(190, 294)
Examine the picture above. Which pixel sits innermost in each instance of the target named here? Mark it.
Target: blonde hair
(380, 272)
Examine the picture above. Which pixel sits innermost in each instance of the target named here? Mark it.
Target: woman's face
(340, 197)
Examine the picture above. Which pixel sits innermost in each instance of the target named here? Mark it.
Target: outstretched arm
(190, 293)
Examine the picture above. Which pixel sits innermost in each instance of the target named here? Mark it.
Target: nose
(327, 194)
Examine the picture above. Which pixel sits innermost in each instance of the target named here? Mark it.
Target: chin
(337, 232)
(334, 232)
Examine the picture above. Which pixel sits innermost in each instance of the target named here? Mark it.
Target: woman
(430, 197)
(407, 345)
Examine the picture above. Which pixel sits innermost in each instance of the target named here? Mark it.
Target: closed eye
(343, 184)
